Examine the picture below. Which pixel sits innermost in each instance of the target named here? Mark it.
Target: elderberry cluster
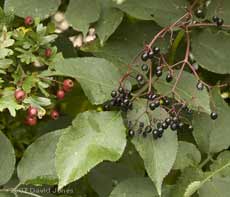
(121, 99)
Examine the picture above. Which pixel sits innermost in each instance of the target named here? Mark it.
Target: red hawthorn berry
(28, 21)
(68, 85)
(19, 95)
(48, 52)
(31, 121)
(60, 94)
(32, 111)
(54, 114)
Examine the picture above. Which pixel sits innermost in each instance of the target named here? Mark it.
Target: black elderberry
(155, 133)
(144, 67)
(157, 103)
(159, 124)
(173, 126)
(215, 19)
(156, 50)
(114, 93)
(166, 101)
(131, 133)
(145, 56)
(148, 129)
(168, 120)
(169, 77)
(158, 73)
(190, 128)
(181, 125)
(214, 115)
(175, 119)
(152, 106)
(120, 90)
(200, 13)
(158, 68)
(106, 107)
(139, 77)
(165, 125)
(200, 86)
(160, 130)
(152, 96)
(220, 22)
(126, 102)
(151, 54)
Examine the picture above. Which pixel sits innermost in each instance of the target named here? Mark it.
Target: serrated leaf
(93, 137)
(186, 88)
(187, 155)
(97, 76)
(34, 8)
(80, 13)
(7, 101)
(134, 187)
(104, 177)
(213, 135)
(164, 12)
(37, 165)
(210, 50)
(126, 42)
(158, 155)
(109, 20)
(7, 159)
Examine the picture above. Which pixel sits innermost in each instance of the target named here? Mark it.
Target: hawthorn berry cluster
(153, 64)
(30, 54)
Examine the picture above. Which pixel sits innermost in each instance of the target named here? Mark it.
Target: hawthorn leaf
(158, 155)
(210, 50)
(97, 76)
(37, 165)
(92, 138)
(213, 136)
(80, 13)
(8, 101)
(32, 8)
(7, 159)
(164, 12)
(187, 155)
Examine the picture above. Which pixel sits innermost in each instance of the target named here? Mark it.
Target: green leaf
(126, 42)
(210, 50)
(134, 187)
(7, 159)
(37, 165)
(216, 187)
(213, 135)
(187, 155)
(109, 20)
(93, 137)
(158, 155)
(186, 89)
(98, 77)
(104, 177)
(188, 176)
(7, 101)
(164, 12)
(222, 164)
(219, 8)
(80, 13)
(42, 8)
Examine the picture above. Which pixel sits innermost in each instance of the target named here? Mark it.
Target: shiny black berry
(181, 125)
(214, 115)
(157, 103)
(200, 86)
(166, 101)
(131, 133)
(151, 54)
(158, 73)
(200, 13)
(144, 67)
(145, 56)
(190, 128)
(139, 78)
(148, 129)
(156, 50)
(155, 133)
(120, 90)
(114, 93)
(152, 106)
(220, 22)
(165, 125)
(168, 120)
(169, 77)
(173, 126)
(215, 19)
